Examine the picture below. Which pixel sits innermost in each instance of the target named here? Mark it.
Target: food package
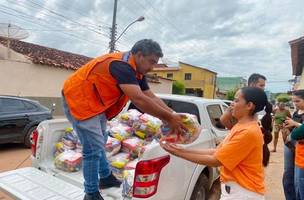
(130, 117)
(112, 146)
(188, 136)
(118, 173)
(127, 183)
(69, 161)
(112, 123)
(147, 126)
(121, 132)
(120, 160)
(59, 147)
(131, 165)
(69, 139)
(78, 147)
(134, 146)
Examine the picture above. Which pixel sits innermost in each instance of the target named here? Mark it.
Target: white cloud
(230, 37)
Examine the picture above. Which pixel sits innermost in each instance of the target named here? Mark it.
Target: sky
(232, 38)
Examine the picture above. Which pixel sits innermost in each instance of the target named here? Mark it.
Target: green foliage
(284, 98)
(178, 88)
(230, 94)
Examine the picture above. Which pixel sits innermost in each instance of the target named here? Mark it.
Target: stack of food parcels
(129, 134)
(68, 150)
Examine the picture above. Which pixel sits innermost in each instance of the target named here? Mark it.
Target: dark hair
(254, 78)
(258, 97)
(147, 47)
(298, 93)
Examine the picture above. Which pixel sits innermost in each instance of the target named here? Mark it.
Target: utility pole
(113, 29)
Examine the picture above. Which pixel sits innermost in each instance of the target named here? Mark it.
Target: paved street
(14, 156)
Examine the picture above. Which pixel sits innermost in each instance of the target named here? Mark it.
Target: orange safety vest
(89, 92)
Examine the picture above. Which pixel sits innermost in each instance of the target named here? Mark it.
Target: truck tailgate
(32, 184)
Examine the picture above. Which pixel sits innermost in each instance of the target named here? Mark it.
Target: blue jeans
(299, 182)
(288, 176)
(93, 137)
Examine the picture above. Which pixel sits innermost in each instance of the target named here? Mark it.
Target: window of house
(215, 112)
(170, 75)
(187, 76)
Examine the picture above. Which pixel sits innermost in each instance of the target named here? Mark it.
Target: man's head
(146, 53)
(257, 80)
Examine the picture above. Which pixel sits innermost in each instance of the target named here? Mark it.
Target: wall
(301, 84)
(201, 78)
(164, 87)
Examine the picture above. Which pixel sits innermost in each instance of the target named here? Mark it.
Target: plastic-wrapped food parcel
(129, 135)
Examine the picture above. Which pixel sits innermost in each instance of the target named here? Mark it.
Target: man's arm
(157, 100)
(147, 105)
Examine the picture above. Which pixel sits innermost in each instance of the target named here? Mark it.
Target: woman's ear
(250, 106)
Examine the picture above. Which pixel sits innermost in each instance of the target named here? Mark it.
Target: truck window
(215, 112)
(183, 107)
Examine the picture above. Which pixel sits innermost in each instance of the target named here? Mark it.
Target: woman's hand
(171, 148)
(289, 123)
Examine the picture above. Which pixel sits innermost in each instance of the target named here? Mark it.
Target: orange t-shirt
(241, 155)
(299, 157)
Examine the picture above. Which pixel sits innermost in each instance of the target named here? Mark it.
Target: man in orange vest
(97, 92)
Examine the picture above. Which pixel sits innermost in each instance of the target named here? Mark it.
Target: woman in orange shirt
(243, 152)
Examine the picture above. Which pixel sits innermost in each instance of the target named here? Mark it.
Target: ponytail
(266, 122)
(258, 97)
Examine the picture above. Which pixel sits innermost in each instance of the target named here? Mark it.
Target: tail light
(34, 139)
(147, 174)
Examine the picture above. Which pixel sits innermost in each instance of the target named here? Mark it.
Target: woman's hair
(298, 93)
(258, 97)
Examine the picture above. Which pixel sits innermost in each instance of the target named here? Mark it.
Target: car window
(29, 106)
(225, 107)
(215, 112)
(183, 107)
(12, 105)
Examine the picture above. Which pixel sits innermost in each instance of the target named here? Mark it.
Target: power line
(68, 34)
(80, 13)
(66, 18)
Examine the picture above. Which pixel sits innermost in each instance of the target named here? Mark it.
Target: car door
(13, 119)
(215, 111)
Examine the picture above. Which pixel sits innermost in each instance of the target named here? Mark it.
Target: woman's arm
(202, 157)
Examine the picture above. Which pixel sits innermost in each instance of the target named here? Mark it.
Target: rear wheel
(200, 191)
(28, 137)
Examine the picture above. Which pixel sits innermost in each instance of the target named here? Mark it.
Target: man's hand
(175, 123)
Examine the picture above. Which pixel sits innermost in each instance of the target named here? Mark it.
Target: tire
(201, 188)
(27, 139)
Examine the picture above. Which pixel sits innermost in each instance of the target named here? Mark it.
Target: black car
(19, 117)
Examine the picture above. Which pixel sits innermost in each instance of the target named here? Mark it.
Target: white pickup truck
(158, 175)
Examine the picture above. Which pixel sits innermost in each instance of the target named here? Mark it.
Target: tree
(230, 94)
(284, 98)
(178, 87)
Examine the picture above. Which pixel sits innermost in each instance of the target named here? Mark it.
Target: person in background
(255, 80)
(280, 115)
(294, 152)
(97, 92)
(243, 153)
